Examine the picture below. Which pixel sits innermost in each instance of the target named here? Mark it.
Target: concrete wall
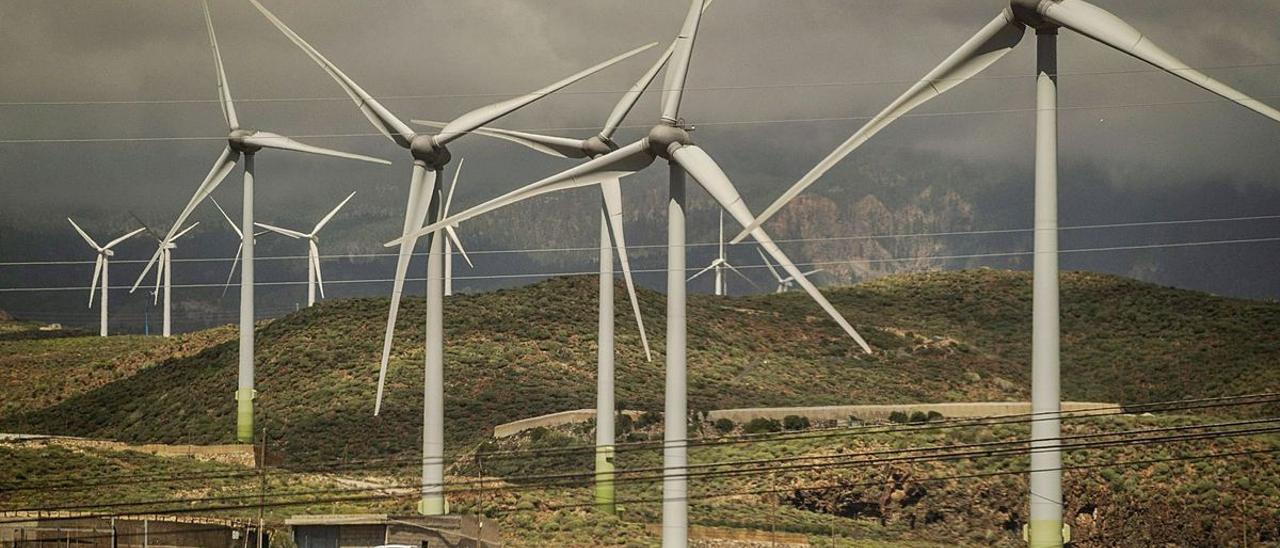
(547, 421)
(881, 412)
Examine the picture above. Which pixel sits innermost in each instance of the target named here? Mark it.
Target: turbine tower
(100, 267)
(164, 272)
(669, 140)
(452, 240)
(430, 156)
(721, 263)
(246, 142)
(314, 276)
(239, 248)
(785, 284)
(991, 43)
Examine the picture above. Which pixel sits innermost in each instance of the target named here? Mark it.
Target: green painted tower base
(244, 414)
(605, 501)
(1046, 533)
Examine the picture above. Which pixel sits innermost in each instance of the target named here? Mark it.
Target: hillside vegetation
(948, 336)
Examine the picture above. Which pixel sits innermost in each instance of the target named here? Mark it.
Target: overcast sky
(756, 61)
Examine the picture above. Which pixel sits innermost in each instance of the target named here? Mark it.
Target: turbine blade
(113, 243)
(224, 90)
(266, 139)
(615, 165)
(234, 262)
(741, 275)
(97, 271)
(314, 253)
(290, 233)
(993, 42)
(701, 272)
(812, 272)
(629, 99)
(772, 270)
(233, 224)
(329, 217)
(421, 193)
(1103, 26)
(486, 114)
(184, 231)
(221, 168)
(453, 185)
(155, 295)
(453, 236)
(673, 88)
(381, 118)
(611, 196)
(84, 235)
(154, 257)
(712, 178)
(563, 147)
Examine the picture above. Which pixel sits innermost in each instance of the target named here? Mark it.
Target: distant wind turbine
(100, 267)
(669, 139)
(430, 155)
(314, 277)
(239, 248)
(989, 45)
(164, 271)
(785, 284)
(246, 142)
(721, 263)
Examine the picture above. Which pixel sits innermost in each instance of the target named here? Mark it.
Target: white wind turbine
(314, 277)
(452, 240)
(164, 271)
(721, 263)
(239, 248)
(669, 140)
(991, 43)
(785, 284)
(246, 142)
(430, 156)
(100, 267)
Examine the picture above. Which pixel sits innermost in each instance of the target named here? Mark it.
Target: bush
(624, 423)
(918, 417)
(898, 417)
(795, 422)
(647, 419)
(761, 425)
(724, 426)
(935, 416)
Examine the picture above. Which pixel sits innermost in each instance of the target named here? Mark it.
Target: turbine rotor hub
(1031, 13)
(598, 146)
(424, 148)
(664, 138)
(108, 253)
(236, 140)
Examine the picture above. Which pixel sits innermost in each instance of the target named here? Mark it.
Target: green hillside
(953, 336)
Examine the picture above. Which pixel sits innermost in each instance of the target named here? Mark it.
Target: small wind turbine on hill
(993, 42)
(430, 156)
(721, 263)
(669, 140)
(314, 276)
(452, 240)
(246, 142)
(100, 270)
(164, 271)
(239, 248)
(787, 283)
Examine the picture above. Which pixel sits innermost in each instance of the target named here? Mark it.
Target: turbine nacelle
(238, 140)
(1031, 13)
(428, 150)
(598, 146)
(664, 139)
(107, 253)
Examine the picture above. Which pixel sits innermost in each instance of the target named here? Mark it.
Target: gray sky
(846, 58)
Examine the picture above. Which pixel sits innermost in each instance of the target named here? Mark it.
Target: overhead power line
(848, 262)
(810, 120)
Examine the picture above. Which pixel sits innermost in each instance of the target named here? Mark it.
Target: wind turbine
(164, 272)
(452, 240)
(239, 248)
(721, 264)
(100, 266)
(314, 277)
(669, 140)
(246, 142)
(787, 283)
(991, 43)
(430, 156)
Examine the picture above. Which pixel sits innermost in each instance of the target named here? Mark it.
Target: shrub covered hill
(947, 336)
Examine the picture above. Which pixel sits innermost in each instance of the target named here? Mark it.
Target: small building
(370, 530)
(58, 529)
